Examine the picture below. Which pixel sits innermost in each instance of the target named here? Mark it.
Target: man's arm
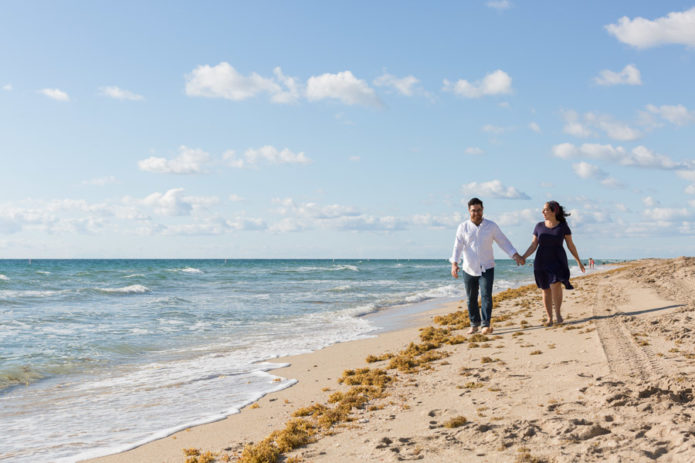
(456, 252)
(506, 245)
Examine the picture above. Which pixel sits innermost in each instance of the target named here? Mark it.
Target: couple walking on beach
(474, 239)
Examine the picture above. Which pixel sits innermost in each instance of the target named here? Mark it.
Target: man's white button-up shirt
(475, 243)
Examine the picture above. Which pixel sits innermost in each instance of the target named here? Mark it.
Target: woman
(550, 266)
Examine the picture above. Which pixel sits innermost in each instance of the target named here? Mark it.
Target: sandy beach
(613, 383)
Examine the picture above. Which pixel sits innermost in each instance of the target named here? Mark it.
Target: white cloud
(586, 170)
(170, 203)
(630, 75)
(174, 203)
(644, 157)
(581, 127)
(55, 94)
(675, 28)
(314, 210)
(474, 150)
(675, 114)
(649, 202)
(535, 127)
(494, 129)
(687, 174)
(293, 88)
(690, 189)
(499, 5)
(494, 189)
(403, 85)
(189, 161)
(343, 86)
(235, 198)
(640, 156)
(590, 150)
(223, 81)
(268, 155)
(494, 83)
(7, 87)
(574, 127)
(667, 214)
(524, 216)
(120, 94)
(100, 181)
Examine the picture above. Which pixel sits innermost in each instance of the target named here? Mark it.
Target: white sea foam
(3, 277)
(43, 272)
(11, 294)
(134, 275)
(191, 270)
(132, 289)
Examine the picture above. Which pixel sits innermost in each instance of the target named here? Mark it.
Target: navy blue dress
(550, 265)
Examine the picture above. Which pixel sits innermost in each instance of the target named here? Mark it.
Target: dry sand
(613, 384)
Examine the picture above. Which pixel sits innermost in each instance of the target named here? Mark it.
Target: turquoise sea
(99, 356)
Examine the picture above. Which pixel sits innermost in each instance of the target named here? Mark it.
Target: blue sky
(352, 129)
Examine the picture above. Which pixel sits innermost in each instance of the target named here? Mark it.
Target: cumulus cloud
(582, 126)
(266, 155)
(674, 28)
(120, 94)
(495, 83)
(667, 214)
(224, 81)
(586, 170)
(640, 156)
(404, 85)
(630, 75)
(499, 5)
(535, 127)
(675, 114)
(235, 198)
(7, 87)
(343, 86)
(523, 216)
(55, 94)
(174, 203)
(494, 189)
(474, 150)
(189, 161)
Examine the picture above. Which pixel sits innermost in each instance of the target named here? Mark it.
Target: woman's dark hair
(474, 201)
(559, 211)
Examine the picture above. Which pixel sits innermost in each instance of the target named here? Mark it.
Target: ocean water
(99, 356)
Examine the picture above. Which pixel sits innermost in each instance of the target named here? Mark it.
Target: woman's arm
(531, 249)
(573, 250)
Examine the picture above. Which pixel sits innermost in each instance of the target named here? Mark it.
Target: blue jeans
(484, 283)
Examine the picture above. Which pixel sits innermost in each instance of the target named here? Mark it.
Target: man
(474, 239)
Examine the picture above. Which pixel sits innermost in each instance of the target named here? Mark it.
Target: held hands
(519, 260)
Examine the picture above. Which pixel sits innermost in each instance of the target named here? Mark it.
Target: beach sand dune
(614, 383)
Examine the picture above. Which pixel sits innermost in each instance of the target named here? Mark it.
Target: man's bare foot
(474, 329)
(487, 330)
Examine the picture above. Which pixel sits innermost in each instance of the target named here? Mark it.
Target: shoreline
(344, 355)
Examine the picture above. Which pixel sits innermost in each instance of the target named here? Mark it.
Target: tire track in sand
(625, 357)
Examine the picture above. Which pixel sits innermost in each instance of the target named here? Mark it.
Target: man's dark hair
(474, 201)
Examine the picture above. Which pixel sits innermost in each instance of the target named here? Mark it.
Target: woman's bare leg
(548, 303)
(556, 290)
